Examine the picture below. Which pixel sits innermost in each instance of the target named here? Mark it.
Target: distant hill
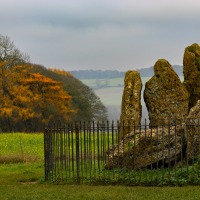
(97, 74)
(108, 74)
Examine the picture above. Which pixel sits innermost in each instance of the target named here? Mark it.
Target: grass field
(20, 147)
(114, 82)
(25, 180)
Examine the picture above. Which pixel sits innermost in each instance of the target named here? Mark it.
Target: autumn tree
(32, 96)
(15, 97)
(9, 57)
(30, 100)
(84, 99)
(61, 72)
(51, 102)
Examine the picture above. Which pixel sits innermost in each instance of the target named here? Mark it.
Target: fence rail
(96, 153)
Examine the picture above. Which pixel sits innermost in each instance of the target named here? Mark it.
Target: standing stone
(165, 96)
(191, 71)
(193, 132)
(131, 110)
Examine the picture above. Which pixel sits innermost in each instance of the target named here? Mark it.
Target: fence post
(77, 154)
(199, 141)
(46, 154)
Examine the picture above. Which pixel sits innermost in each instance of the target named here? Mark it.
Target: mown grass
(25, 180)
(12, 174)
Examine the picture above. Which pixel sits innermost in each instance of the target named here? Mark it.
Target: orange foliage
(25, 95)
(62, 72)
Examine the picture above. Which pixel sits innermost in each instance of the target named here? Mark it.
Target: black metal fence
(99, 153)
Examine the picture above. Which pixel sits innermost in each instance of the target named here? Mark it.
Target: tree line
(33, 97)
(97, 74)
(108, 74)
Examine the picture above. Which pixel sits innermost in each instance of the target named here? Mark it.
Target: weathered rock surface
(152, 147)
(165, 96)
(159, 146)
(131, 110)
(195, 112)
(191, 71)
(193, 131)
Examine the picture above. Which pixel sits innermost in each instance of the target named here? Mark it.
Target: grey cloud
(101, 36)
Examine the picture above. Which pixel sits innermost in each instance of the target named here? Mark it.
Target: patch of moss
(198, 63)
(192, 48)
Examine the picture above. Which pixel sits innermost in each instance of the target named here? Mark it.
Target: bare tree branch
(10, 54)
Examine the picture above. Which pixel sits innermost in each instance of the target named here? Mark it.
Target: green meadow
(25, 182)
(114, 82)
(22, 177)
(21, 147)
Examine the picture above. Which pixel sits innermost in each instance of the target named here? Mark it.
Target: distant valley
(109, 85)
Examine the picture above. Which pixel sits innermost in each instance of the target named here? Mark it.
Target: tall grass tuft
(21, 147)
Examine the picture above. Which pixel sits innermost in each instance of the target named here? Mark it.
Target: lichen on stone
(191, 71)
(131, 109)
(165, 96)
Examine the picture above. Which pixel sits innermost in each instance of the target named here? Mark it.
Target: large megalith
(131, 109)
(165, 96)
(147, 148)
(191, 71)
(193, 132)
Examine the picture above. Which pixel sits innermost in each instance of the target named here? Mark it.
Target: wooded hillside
(33, 97)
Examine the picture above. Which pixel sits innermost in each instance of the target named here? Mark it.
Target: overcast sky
(101, 34)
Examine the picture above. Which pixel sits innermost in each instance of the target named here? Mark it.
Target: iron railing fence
(98, 153)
